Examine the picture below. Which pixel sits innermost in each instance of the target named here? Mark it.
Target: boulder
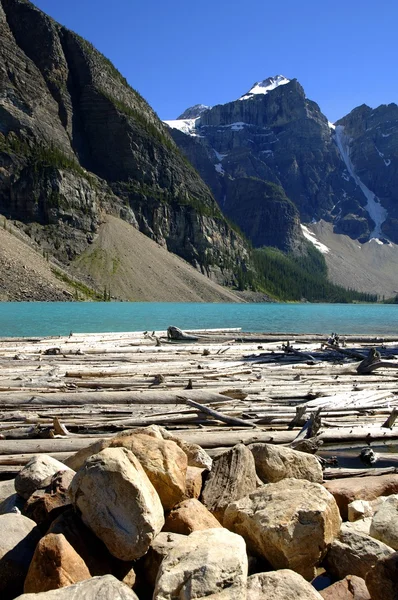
(384, 525)
(349, 489)
(18, 540)
(361, 526)
(232, 477)
(350, 588)
(106, 587)
(162, 460)
(202, 564)
(193, 482)
(160, 547)
(382, 579)
(280, 585)
(359, 509)
(274, 463)
(188, 516)
(55, 564)
(7, 489)
(12, 504)
(48, 502)
(118, 502)
(32, 475)
(290, 523)
(354, 554)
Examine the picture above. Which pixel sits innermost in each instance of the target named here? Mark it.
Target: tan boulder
(349, 489)
(280, 585)
(162, 460)
(160, 547)
(118, 502)
(354, 554)
(359, 509)
(7, 489)
(202, 564)
(290, 523)
(96, 588)
(349, 588)
(188, 516)
(274, 463)
(55, 564)
(360, 526)
(32, 475)
(384, 525)
(382, 579)
(193, 482)
(233, 476)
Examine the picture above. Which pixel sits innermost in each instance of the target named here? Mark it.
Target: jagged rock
(233, 476)
(203, 563)
(350, 588)
(160, 547)
(349, 489)
(359, 509)
(382, 579)
(384, 526)
(280, 585)
(191, 515)
(354, 553)
(95, 588)
(274, 463)
(162, 460)
(48, 502)
(118, 502)
(193, 482)
(290, 523)
(55, 564)
(18, 540)
(32, 475)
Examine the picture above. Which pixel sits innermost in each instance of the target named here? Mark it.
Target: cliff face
(282, 137)
(76, 141)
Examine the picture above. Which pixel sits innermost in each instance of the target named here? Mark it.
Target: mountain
(77, 143)
(273, 135)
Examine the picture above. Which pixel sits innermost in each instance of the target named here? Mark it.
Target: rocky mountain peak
(193, 112)
(265, 86)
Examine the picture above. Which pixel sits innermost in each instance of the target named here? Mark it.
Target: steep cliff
(77, 142)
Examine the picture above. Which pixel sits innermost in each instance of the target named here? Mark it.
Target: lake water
(59, 318)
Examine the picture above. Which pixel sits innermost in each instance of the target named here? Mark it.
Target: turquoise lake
(60, 318)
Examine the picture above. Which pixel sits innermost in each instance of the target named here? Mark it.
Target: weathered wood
(219, 416)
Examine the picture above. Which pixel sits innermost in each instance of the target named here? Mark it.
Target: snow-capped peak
(193, 112)
(263, 87)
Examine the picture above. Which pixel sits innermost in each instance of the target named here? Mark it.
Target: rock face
(280, 585)
(290, 523)
(354, 554)
(18, 540)
(55, 564)
(38, 469)
(191, 515)
(204, 563)
(382, 580)
(91, 589)
(384, 525)
(76, 141)
(118, 502)
(274, 463)
(349, 489)
(233, 476)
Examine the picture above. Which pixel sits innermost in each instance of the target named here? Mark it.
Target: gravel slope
(136, 268)
(369, 267)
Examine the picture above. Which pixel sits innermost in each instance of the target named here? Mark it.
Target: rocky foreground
(147, 515)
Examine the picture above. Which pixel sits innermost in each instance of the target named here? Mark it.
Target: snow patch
(219, 169)
(331, 125)
(263, 87)
(311, 237)
(220, 157)
(385, 134)
(377, 241)
(187, 126)
(387, 162)
(376, 212)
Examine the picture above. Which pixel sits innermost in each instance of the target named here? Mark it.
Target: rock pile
(146, 516)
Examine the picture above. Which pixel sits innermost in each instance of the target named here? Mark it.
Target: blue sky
(178, 53)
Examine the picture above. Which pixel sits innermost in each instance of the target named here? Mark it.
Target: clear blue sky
(177, 53)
